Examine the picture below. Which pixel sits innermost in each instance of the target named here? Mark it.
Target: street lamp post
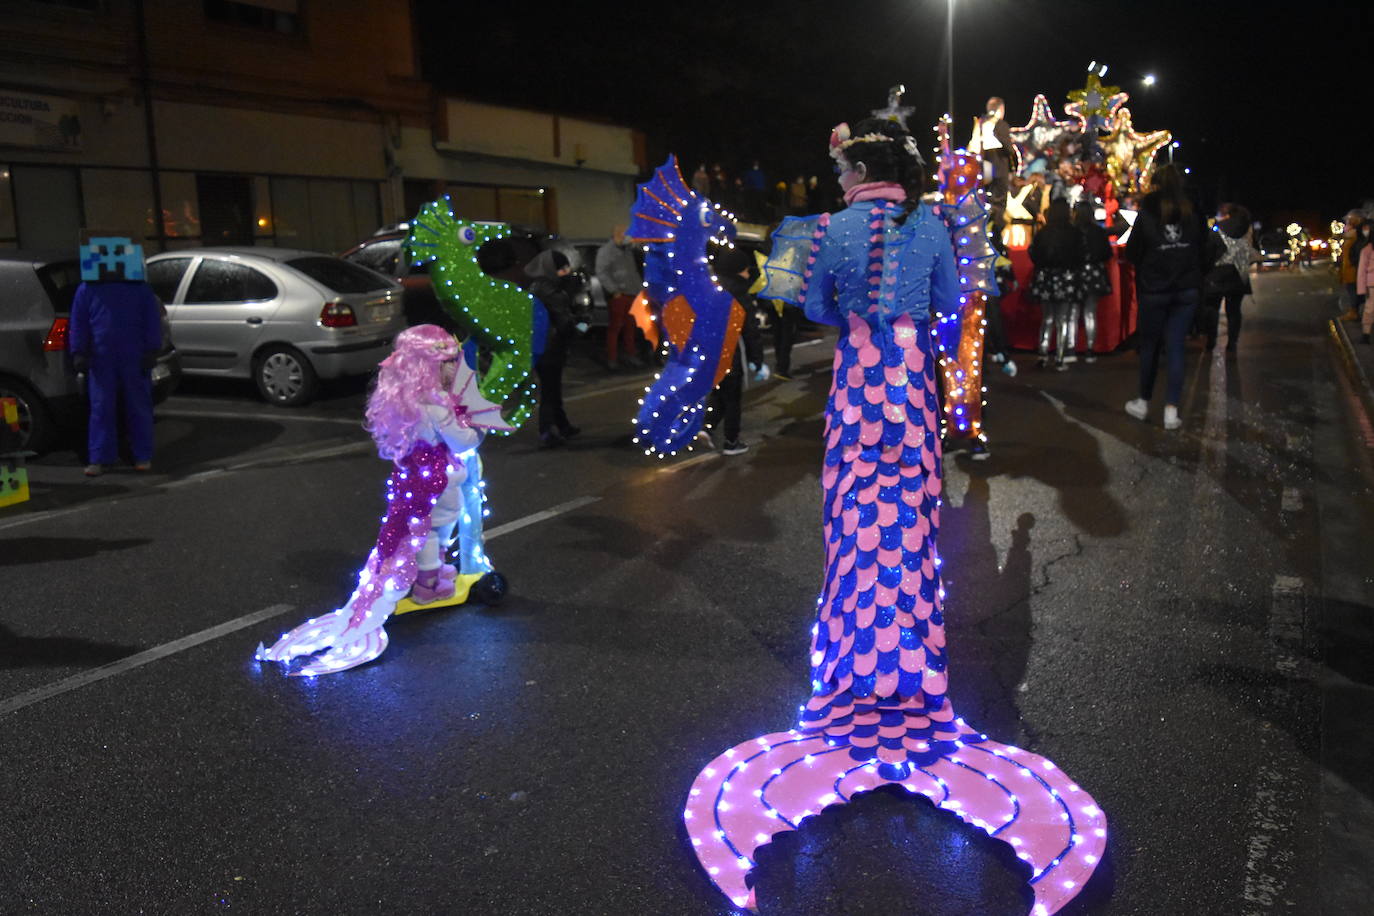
(949, 37)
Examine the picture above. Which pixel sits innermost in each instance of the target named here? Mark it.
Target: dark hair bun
(888, 160)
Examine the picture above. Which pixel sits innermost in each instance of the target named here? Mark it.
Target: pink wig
(407, 380)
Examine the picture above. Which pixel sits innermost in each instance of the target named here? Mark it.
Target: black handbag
(1222, 280)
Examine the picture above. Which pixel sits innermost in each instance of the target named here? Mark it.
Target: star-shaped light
(895, 110)
(1131, 155)
(1042, 133)
(1095, 103)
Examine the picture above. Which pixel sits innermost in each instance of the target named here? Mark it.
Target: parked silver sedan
(282, 317)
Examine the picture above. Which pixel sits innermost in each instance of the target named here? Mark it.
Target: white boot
(1171, 420)
(1137, 407)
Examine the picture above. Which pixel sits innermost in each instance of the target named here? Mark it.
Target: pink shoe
(448, 572)
(431, 586)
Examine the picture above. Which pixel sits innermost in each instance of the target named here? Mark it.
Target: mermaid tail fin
(762, 787)
(331, 643)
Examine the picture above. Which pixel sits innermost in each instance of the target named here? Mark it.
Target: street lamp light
(1149, 80)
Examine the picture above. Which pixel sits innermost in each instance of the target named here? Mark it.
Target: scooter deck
(461, 586)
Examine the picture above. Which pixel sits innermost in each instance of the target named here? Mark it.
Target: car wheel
(284, 376)
(37, 429)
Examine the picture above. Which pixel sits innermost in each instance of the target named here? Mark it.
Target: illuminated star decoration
(1131, 155)
(1095, 103)
(1042, 133)
(895, 110)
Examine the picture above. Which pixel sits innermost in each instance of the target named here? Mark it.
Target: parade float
(1094, 153)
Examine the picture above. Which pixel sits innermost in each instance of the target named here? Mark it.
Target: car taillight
(57, 335)
(338, 315)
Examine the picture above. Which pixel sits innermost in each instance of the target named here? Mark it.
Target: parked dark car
(36, 290)
(504, 258)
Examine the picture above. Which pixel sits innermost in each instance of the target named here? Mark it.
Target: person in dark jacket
(735, 269)
(1097, 254)
(1057, 253)
(560, 292)
(1228, 279)
(1168, 246)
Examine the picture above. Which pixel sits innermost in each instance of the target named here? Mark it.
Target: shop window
(118, 199)
(473, 202)
(367, 209)
(263, 227)
(331, 215)
(7, 227)
(180, 207)
(520, 206)
(47, 205)
(224, 281)
(291, 212)
(281, 16)
(226, 209)
(89, 6)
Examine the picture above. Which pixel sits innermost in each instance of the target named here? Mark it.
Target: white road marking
(535, 518)
(138, 660)
(281, 416)
(288, 457)
(57, 688)
(705, 456)
(1270, 810)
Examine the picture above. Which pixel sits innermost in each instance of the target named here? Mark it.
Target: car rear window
(379, 256)
(60, 279)
(339, 275)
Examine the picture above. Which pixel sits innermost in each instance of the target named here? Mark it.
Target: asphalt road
(1182, 621)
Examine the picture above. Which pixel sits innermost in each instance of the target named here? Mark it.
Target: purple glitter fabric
(413, 488)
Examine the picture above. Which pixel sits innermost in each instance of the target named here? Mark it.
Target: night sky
(1272, 102)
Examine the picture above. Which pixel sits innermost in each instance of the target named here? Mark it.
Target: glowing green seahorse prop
(496, 315)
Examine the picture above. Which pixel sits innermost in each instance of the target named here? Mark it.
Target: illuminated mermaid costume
(878, 713)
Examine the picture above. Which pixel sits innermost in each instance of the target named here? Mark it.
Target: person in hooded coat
(561, 293)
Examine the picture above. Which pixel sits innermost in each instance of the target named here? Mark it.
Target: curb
(1358, 379)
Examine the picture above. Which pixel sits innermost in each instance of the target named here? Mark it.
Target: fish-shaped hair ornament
(700, 321)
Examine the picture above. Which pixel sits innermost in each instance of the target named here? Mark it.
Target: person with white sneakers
(1168, 246)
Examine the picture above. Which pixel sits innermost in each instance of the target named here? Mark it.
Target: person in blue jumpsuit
(114, 335)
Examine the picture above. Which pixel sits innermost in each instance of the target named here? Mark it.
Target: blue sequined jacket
(918, 269)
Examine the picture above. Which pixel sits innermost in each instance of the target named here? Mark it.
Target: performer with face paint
(114, 335)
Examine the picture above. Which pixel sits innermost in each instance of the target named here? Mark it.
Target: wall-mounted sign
(39, 121)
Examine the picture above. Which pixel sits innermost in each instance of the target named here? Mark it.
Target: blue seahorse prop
(700, 321)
